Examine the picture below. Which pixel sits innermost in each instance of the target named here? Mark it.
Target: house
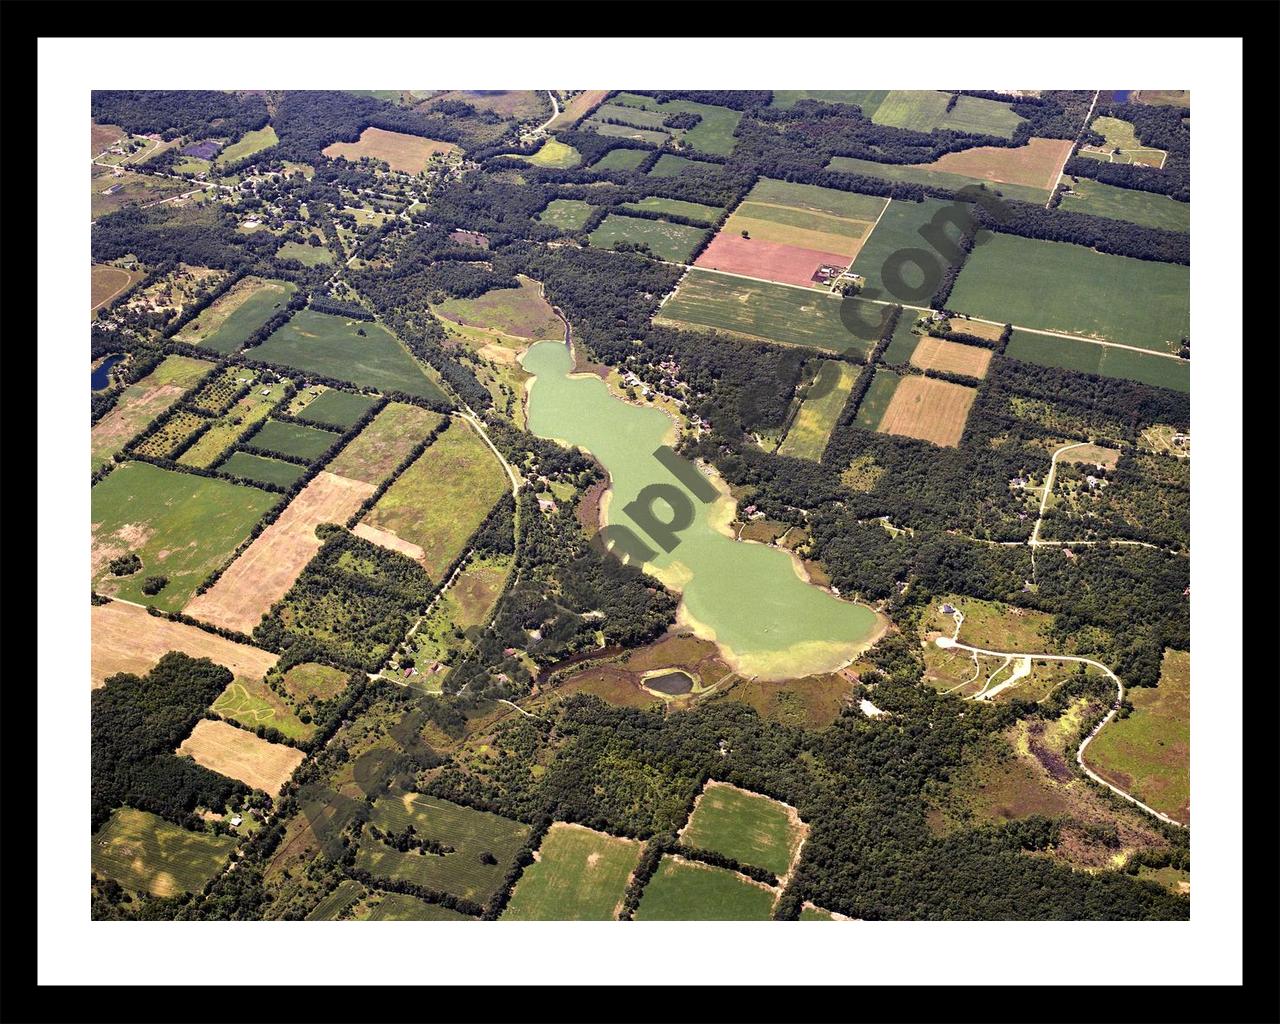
(948, 610)
(235, 821)
(535, 634)
(265, 391)
(546, 505)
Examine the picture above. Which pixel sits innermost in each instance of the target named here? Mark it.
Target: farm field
(694, 211)
(162, 442)
(440, 500)
(817, 416)
(1147, 208)
(868, 99)
(330, 345)
(1069, 288)
(576, 107)
(761, 311)
(233, 317)
(926, 111)
(107, 283)
(267, 568)
(182, 526)
(241, 755)
(673, 243)
(467, 832)
(409, 154)
(784, 232)
(246, 146)
(1149, 753)
(347, 894)
(374, 453)
(252, 703)
(1026, 173)
(141, 402)
(127, 638)
(506, 313)
(1084, 357)
(752, 829)
(683, 891)
(651, 136)
(228, 428)
(396, 906)
(621, 159)
(1122, 145)
(899, 229)
(554, 153)
(671, 166)
(293, 439)
(104, 136)
(307, 255)
(928, 408)
(145, 853)
(577, 875)
(951, 357)
(567, 214)
(904, 341)
(340, 410)
(261, 469)
(313, 681)
(713, 134)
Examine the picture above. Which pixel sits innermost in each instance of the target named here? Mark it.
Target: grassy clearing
(621, 160)
(248, 144)
(109, 191)
(339, 409)
(681, 891)
(293, 439)
(817, 416)
(181, 525)
(261, 469)
(439, 501)
(1071, 288)
(337, 903)
(554, 153)
(145, 853)
(228, 323)
(877, 398)
(671, 166)
(506, 313)
(409, 154)
(752, 829)
(468, 833)
(311, 680)
(252, 703)
(396, 906)
(333, 346)
(567, 214)
(760, 311)
(868, 99)
(694, 211)
(108, 282)
(673, 243)
(1149, 753)
(579, 875)
(1084, 357)
(376, 451)
(307, 255)
(1147, 208)
(713, 134)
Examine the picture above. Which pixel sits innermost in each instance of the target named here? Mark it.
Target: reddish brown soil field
(265, 571)
(752, 257)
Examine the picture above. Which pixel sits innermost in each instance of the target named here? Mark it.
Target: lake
(751, 599)
(101, 377)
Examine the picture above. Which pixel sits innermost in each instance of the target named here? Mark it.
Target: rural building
(235, 822)
(948, 610)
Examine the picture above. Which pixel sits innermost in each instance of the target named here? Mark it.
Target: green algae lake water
(749, 598)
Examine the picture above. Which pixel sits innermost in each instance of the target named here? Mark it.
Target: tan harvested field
(265, 571)
(578, 106)
(932, 410)
(127, 638)
(978, 328)
(107, 282)
(1036, 164)
(374, 453)
(951, 357)
(239, 754)
(388, 540)
(1092, 454)
(407, 153)
(518, 104)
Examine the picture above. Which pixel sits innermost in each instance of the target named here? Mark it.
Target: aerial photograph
(639, 505)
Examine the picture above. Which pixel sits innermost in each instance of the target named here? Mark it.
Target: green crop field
(261, 469)
(338, 409)
(713, 134)
(845, 205)
(293, 439)
(632, 115)
(694, 211)
(141, 402)
(553, 153)
(651, 136)
(671, 242)
(307, 255)
(876, 400)
(1085, 357)
(1147, 208)
(440, 501)
(228, 323)
(228, 428)
(252, 703)
(761, 311)
(145, 853)
(579, 875)
(904, 341)
(671, 166)
(469, 833)
(374, 453)
(330, 345)
(181, 525)
(924, 110)
(899, 229)
(248, 144)
(752, 829)
(868, 99)
(566, 214)
(1149, 753)
(396, 906)
(1062, 287)
(817, 416)
(680, 891)
(816, 914)
(621, 160)
(920, 175)
(346, 895)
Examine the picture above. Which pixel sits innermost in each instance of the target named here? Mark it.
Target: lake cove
(751, 599)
